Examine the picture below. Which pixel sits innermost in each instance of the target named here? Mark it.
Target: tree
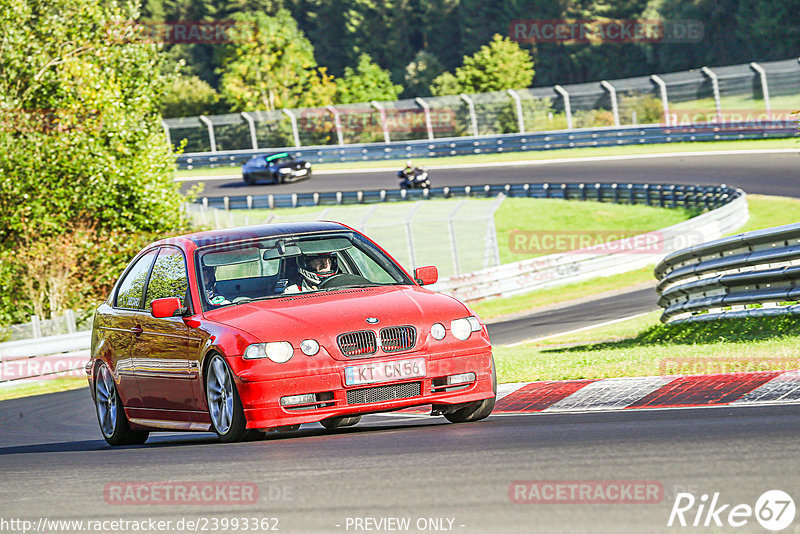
(421, 72)
(368, 81)
(82, 151)
(270, 65)
(501, 64)
(188, 96)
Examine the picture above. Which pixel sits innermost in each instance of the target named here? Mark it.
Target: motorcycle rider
(412, 174)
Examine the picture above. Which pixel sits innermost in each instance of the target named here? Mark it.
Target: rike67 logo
(774, 510)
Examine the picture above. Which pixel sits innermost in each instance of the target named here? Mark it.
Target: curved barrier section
(728, 212)
(460, 146)
(747, 275)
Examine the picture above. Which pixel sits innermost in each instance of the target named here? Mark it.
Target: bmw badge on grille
(372, 320)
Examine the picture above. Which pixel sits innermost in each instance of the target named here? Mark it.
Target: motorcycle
(415, 179)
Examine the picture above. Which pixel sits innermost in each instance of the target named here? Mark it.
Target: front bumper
(261, 399)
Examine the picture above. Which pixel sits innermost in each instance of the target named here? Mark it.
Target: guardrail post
(167, 133)
(452, 229)
(612, 93)
(546, 188)
(211, 139)
(567, 107)
(472, 118)
(426, 110)
(36, 326)
(662, 89)
(518, 107)
(384, 124)
(598, 189)
(252, 125)
(764, 87)
(295, 132)
(631, 194)
(69, 318)
(647, 194)
(337, 123)
(715, 86)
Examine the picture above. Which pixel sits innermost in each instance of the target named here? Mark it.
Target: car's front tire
(474, 411)
(248, 179)
(110, 413)
(224, 406)
(340, 422)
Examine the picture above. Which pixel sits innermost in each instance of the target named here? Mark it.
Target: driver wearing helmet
(315, 269)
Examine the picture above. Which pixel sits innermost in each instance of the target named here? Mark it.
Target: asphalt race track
(439, 476)
(765, 174)
(54, 464)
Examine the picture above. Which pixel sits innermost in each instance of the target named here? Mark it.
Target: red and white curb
(736, 389)
(649, 392)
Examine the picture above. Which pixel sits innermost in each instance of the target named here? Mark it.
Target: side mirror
(167, 307)
(426, 275)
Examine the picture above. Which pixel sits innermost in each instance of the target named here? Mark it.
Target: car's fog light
(438, 331)
(463, 378)
(309, 347)
(293, 400)
(461, 329)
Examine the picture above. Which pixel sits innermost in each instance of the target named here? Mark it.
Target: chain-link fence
(458, 236)
(733, 94)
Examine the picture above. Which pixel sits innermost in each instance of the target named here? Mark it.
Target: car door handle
(137, 331)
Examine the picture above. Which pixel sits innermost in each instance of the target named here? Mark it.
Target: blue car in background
(278, 168)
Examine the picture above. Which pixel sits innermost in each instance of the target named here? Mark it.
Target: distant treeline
(416, 40)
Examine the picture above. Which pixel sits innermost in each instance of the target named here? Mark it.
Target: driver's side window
(169, 278)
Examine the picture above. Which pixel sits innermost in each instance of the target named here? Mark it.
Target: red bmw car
(267, 327)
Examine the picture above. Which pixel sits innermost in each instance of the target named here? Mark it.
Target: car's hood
(326, 315)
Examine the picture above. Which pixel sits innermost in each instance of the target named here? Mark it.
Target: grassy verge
(644, 347)
(533, 155)
(40, 387)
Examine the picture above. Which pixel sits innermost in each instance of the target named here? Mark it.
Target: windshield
(271, 268)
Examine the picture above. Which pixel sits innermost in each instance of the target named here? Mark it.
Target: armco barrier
(43, 357)
(574, 266)
(746, 275)
(660, 195)
(459, 146)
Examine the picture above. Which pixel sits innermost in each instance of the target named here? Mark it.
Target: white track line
(528, 162)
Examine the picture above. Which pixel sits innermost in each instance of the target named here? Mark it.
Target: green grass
(552, 217)
(41, 387)
(533, 155)
(768, 211)
(644, 347)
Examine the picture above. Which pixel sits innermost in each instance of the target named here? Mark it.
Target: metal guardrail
(729, 212)
(747, 275)
(459, 146)
(660, 195)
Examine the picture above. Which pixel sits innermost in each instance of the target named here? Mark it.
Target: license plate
(372, 373)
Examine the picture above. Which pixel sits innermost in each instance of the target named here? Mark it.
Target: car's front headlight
(462, 328)
(277, 351)
(307, 165)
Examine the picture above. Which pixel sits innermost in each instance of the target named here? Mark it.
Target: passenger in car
(210, 287)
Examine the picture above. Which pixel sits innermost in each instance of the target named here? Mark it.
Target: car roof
(228, 235)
